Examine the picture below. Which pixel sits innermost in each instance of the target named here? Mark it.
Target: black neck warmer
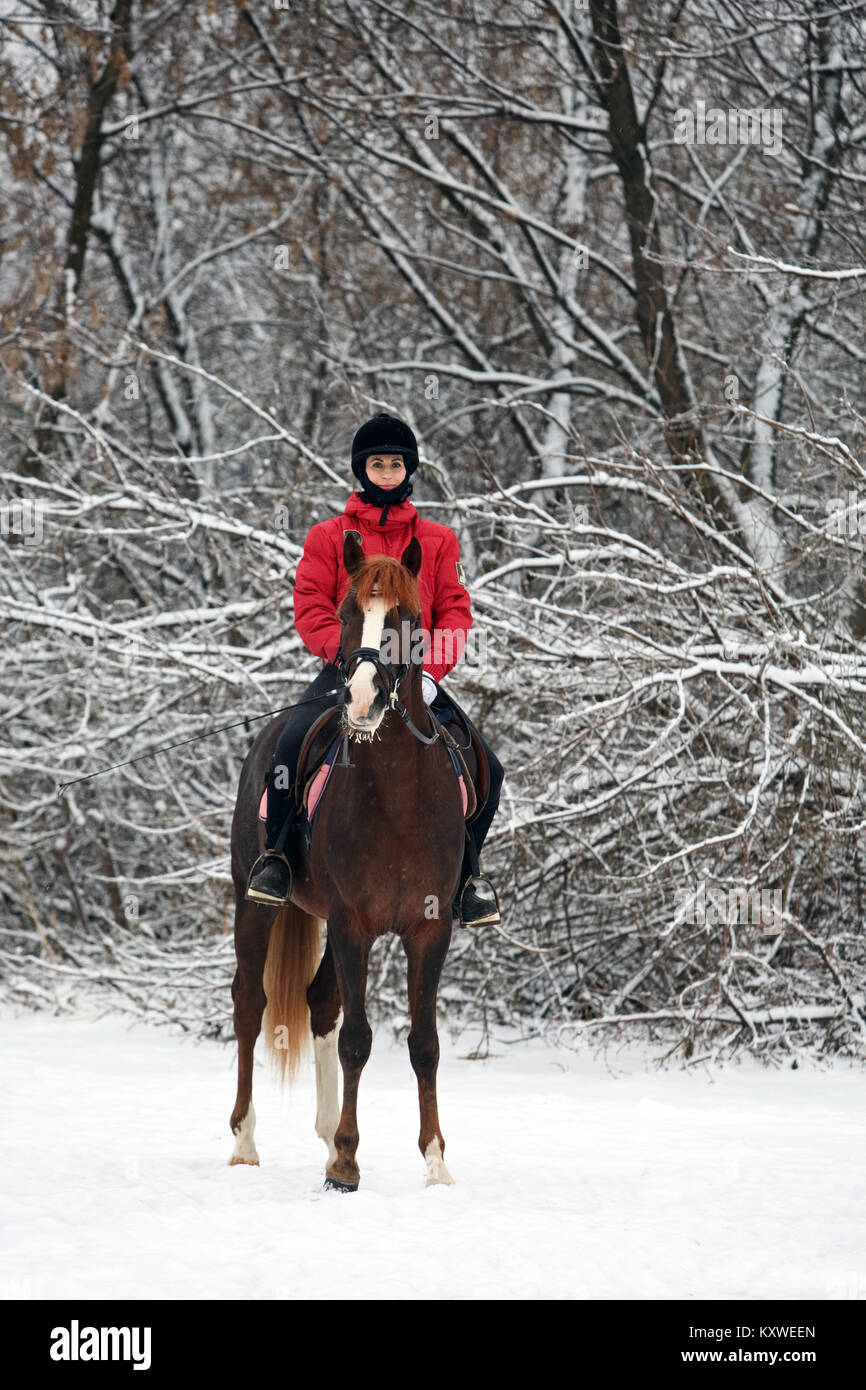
(385, 497)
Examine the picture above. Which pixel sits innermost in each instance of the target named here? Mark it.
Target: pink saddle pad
(317, 786)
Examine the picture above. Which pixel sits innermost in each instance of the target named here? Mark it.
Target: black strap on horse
(392, 677)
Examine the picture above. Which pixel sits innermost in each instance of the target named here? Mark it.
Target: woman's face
(386, 470)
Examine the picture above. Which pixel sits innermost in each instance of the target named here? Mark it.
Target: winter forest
(608, 260)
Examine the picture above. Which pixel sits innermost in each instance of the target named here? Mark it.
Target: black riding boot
(270, 879)
(476, 904)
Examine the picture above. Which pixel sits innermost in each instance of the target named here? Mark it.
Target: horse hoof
(334, 1185)
(252, 1162)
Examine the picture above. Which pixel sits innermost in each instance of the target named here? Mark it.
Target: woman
(384, 457)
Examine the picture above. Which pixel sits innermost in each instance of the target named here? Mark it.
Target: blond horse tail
(294, 952)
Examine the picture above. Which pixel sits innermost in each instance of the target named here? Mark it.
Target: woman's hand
(429, 687)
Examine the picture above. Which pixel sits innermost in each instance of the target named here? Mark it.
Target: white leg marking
(245, 1149)
(436, 1170)
(327, 1088)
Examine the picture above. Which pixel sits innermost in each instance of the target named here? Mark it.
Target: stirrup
(479, 908)
(268, 889)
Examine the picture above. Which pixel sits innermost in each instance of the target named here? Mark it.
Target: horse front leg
(252, 932)
(425, 952)
(351, 952)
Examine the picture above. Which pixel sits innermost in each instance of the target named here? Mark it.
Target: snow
(576, 1176)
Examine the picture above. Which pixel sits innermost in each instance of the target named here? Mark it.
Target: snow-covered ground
(576, 1176)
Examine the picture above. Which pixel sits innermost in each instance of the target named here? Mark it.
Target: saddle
(319, 741)
(321, 744)
(479, 767)
(469, 749)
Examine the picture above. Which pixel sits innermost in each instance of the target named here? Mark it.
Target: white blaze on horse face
(362, 691)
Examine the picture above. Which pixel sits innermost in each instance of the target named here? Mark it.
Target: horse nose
(361, 697)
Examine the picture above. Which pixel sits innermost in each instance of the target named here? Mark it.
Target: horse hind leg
(252, 931)
(323, 997)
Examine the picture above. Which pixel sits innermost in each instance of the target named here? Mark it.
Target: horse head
(379, 616)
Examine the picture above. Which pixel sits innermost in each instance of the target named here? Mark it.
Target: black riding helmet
(384, 434)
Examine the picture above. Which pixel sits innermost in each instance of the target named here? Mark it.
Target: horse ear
(411, 556)
(353, 555)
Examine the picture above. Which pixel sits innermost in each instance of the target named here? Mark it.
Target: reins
(209, 733)
(391, 675)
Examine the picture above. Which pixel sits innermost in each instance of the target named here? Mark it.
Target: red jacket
(321, 582)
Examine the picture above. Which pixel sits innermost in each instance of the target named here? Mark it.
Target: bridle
(391, 675)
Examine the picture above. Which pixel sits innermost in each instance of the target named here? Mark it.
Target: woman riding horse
(384, 457)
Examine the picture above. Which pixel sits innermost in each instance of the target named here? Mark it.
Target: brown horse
(385, 856)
